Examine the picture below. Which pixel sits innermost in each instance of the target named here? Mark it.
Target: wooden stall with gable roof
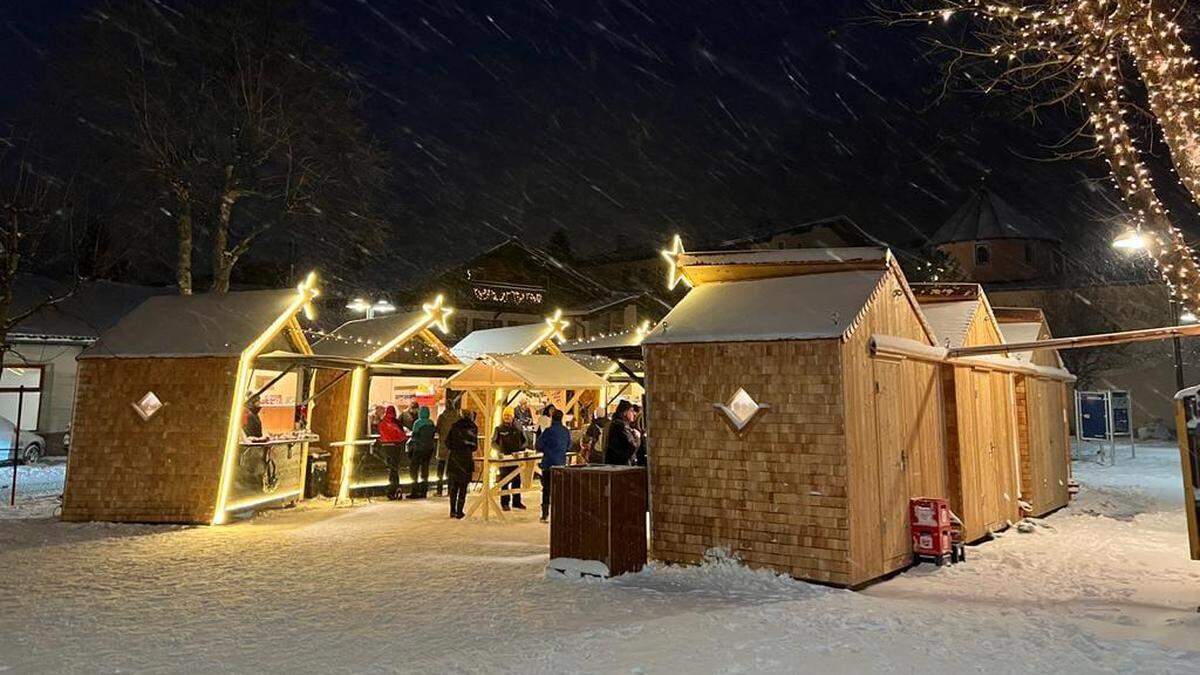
(980, 411)
(1042, 403)
(159, 403)
(400, 346)
(490, 384)
(775, 432)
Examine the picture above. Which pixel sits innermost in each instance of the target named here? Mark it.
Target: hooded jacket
(390, 430)
(422, 443)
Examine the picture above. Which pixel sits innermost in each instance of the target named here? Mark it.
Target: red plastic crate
(928, 512)
(932, 541)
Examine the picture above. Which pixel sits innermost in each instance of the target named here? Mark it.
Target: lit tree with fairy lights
(1124, 61)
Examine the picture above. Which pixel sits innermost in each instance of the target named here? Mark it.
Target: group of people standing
(454, 442)
(412, 434)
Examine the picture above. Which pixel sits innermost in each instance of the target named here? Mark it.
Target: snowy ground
(1105, 586)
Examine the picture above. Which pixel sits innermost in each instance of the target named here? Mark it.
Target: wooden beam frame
(1098, 340)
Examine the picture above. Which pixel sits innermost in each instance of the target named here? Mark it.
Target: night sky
(624, 121)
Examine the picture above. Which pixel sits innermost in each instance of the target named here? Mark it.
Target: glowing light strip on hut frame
(436, 314)
(555, 325)
(306, 291)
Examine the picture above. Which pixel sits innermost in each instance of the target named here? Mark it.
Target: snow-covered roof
(704, 267)
(507, 340)
(802, 307)
(525, 371)
(785, 256)
(205, 324)
(1021, 332)
(362, 337)
(950, 320)
(629, 338)
(81, 315)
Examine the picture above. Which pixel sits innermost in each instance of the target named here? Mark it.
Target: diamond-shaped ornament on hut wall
(741, 410)
(147, 405)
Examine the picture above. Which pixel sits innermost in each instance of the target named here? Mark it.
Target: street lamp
(1130, 240)
(370, 309)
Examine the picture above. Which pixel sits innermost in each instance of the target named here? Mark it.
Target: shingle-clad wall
(165, 469)
(777, 495)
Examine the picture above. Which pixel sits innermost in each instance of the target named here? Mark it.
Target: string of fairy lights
(1084, 43)
(418, 347)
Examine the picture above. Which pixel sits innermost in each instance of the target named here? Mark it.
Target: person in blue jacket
(553, 443)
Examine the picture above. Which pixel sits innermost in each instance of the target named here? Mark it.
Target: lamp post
(1185, 317)
(1133, 240)
(370, 309)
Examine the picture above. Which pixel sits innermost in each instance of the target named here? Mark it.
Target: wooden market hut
(491, 383)
(980, 410)
(776, 432)
(1043, 430)
(533, 338)
(158, 407)
(401, 345)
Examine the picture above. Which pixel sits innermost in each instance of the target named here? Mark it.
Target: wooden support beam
(1098, 340)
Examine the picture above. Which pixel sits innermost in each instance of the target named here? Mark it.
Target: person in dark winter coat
(444, 421)
(622, 441)
(251, 422)
(594, 435)
(392, 438)
(421, 446)
(509, 439)
(554, 443)
(409, 417)
(639, 423)
(461, 444)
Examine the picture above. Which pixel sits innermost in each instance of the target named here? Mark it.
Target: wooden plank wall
(165, 469)
(983, 473)
(328, 420)
(775, 495)
(599, 513)
(981, 437)
(885, 469)
(1045, 457)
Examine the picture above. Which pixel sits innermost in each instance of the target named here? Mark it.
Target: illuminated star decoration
(438, 314)
(556, 325)
(308, 290)
(674, 272)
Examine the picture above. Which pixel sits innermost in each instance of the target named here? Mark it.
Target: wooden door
(893, 459)
(1005, 451)
(982, 481)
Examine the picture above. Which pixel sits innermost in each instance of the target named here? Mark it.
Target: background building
(991, 241)
(41, 349)
(514, 283)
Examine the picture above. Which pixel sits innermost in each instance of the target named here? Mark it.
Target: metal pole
(12, 497)
(1112, 436)
(1179, 385)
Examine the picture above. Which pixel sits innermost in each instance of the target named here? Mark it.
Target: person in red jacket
(392, 438)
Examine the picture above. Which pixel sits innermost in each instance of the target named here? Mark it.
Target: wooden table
(487, 502)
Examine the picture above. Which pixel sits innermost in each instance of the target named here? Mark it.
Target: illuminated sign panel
(508, 295)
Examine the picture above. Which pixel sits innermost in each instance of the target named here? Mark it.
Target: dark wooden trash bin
(599, 513)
